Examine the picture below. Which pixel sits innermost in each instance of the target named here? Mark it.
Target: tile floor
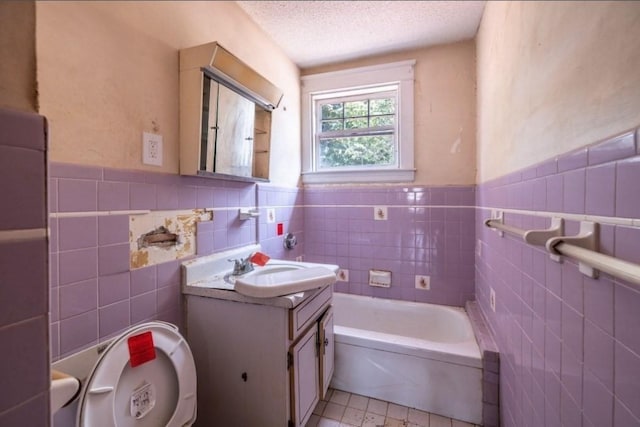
(341, 409)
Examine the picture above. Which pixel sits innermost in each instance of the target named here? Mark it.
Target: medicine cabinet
(225, 116)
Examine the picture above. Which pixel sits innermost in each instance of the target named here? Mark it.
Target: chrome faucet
(242, 266)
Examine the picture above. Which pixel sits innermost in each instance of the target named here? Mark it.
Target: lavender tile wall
(570, 351)
(94, 294)
(24, 295)
(430, 231)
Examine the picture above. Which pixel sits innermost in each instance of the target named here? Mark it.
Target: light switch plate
(343, 275)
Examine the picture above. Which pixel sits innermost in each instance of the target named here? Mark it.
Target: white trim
(376, 175)
(16, 236)
(335, 81)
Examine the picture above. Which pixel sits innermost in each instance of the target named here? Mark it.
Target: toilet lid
(145, 378)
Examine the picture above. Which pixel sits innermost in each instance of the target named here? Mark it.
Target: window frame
(360, 81)
(376, 92)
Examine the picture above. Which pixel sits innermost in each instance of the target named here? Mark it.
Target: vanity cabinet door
(325, 329)
(304, 377)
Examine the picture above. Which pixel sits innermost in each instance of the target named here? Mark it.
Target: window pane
(332, 111)
(357, 151)
(382, 106)
(356, 123)
(381, 121)
(328, 125)
(356, 108)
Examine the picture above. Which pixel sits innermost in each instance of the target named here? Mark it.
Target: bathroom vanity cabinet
(260, 362)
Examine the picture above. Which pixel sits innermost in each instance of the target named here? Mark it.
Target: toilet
(145, 377)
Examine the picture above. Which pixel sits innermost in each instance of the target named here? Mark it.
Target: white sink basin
(277, 278)
(261, 271)
(271, 281)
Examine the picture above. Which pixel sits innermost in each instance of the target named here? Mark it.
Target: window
(358, 125)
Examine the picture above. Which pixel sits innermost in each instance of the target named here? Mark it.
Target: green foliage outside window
(356, 151)
(369, 116)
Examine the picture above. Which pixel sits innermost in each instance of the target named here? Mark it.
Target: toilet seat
(167, 383)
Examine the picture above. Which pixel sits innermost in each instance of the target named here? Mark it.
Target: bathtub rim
(465, 353)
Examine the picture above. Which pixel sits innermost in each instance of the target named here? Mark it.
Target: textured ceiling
(314, 33)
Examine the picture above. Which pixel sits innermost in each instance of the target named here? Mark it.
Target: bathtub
(423, 356)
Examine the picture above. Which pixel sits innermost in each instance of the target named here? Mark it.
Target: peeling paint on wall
(182, 224)
(455, 148)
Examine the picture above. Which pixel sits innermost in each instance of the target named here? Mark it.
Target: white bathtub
(423, 356)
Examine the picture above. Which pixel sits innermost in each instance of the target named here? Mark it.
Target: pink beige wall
(445, 110)
(107, 71)
(17, 49)
(554, 76)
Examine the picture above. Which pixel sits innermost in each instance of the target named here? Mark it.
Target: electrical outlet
(151, 149)
(423, 282)
(343, 275)
(271, 216)
(299, 258)
(492, 299)
(380, 213)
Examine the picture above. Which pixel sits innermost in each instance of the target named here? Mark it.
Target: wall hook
(540, 237)
(587, 238)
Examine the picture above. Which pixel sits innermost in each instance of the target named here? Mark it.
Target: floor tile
(377, 406)
(394, 422)
(439, 421)
(340, 397)
(458, 423)
(313, 421)
(419, 418)
(373, 420)
(333, 411)
(396, 411)
(326, 422)
(353, 416)
(358, 402)
(320, 407)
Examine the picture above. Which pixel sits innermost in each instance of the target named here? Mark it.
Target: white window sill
(370, 176)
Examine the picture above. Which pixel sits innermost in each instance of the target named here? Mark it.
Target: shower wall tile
(22, 172)
(89, 244)
(429, 231)
(77, 233)
(113, 229)
(77, 195)
(616, 148)
(570, 354)
(24, 296)
(113, 196)
(23, 266)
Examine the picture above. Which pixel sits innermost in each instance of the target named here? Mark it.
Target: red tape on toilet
(141, 349)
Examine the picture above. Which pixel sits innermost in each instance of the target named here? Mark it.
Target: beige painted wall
(18, 53)
(445, 110)
(552, 77)
(107, 71)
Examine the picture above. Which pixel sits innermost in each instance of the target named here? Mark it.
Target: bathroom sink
(261, 271)
(278, 277)
(283, 279)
